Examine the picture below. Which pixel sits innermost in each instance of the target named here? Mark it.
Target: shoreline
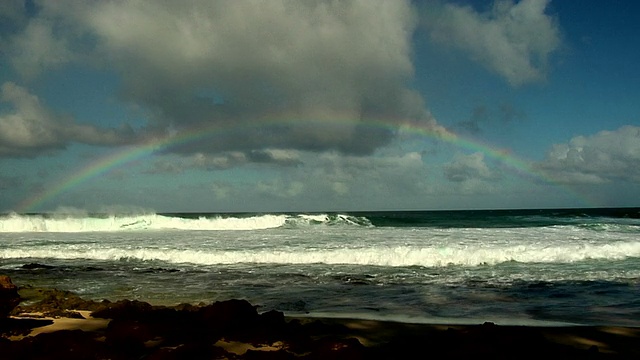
(445, 321)
(63, 325)
(607, 339)
(377, 339)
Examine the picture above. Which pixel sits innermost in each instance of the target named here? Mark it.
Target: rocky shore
(52, 324)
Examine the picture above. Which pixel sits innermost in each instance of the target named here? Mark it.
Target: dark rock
(21, 327)
(229, 315)
(186, 307)
(9, 297)
(272, 316)
(65, 314)
(51, 302)
(123, 309)
(272, 319)
(34, 266)
(127, 336)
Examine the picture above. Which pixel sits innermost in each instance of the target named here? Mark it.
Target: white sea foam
(434, 265)
(389, 256)
(39, 223)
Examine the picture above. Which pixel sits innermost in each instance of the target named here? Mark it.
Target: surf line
(135, 152)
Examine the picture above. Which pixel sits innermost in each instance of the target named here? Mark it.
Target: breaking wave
(109, 223)
(390, 256)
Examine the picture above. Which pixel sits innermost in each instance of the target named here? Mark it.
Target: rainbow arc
(132, 153)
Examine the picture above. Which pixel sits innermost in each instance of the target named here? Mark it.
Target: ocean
(511, 267)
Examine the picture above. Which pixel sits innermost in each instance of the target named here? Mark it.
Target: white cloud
(31, 128)
(600, 158)
(467, 167)
(514, 40)
(332, 68)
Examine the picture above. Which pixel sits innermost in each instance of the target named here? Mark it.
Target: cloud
(332, 181)
(467, 167)
(394, 175)
(312, 75)
(514, 40)
(12, 18)
(221, 189)
(12, 10)
(225, 160)
(604, 157)
(37, 49)
(33, 44)
(276, 156)
(280, 188)
(31, 128)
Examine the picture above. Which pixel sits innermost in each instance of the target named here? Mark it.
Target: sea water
(560, 266)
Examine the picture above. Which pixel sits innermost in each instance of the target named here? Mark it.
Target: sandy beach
(51, 324)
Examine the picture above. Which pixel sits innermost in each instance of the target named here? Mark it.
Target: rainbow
(132, 153)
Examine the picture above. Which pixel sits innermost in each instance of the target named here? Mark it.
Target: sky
(287, 105)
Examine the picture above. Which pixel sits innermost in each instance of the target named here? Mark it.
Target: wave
(83, 222)
(389, 256)
(607, 227)
(109, 223)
